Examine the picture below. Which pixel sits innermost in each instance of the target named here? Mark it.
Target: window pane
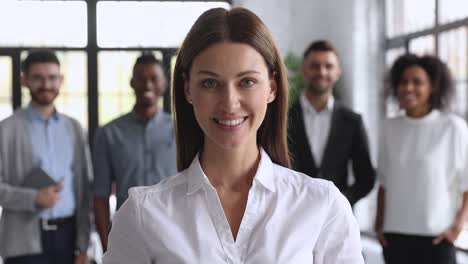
(72, 99)
(453, 47)
(451, 10)
(115, 94)
(112, 106)
(392, 55)
(147, 24)
(459, 102)
(453, 50)
(43, 23)
(392, 107)
(422, 45)
(6, 107)
(5, 77)
(405, 16)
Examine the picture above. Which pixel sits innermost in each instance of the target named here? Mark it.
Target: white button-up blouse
(289, 218)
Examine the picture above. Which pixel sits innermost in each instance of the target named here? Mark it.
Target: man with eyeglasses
(48, 221)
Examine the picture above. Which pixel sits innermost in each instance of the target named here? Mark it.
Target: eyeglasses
(39, 79)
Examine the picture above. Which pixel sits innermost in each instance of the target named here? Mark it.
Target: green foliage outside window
(296, 84)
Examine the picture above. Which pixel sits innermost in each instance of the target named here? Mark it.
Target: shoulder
(168, 188)
(166, 119)
(347, 113)
(117, 121)
(454, 120)
(76, 124)
(166, 116)
(14, 125)
(294, 116)
(455, 124)
(300, 184)
(295, 108)
(113, 125)
(17, 115)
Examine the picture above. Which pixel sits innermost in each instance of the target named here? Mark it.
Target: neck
(418, 113)
(46, 111)
(231, 170)
(146, 112)
(318, 101)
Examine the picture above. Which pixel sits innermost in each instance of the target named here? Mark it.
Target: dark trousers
(411, 249)
(58, 247)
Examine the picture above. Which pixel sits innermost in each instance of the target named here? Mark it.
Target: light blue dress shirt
(133, 152)
(52, 145)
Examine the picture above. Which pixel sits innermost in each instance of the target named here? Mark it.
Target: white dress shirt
(289, 218)
(423, 167)
(317, 126)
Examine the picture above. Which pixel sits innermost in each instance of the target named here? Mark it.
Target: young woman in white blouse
(423, 167)
(234, 200)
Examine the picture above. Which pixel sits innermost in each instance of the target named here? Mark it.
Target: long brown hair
(241, 26)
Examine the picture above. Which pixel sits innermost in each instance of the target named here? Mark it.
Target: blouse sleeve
(126, 242)
(339, 241)
(382, 157)
(461, 155)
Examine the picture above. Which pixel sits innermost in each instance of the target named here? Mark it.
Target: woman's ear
(273, 90)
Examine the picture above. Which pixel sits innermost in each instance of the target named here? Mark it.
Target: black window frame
(91, 50)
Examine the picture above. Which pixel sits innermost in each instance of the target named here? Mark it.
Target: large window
(453, 47)
(452, 10)
(423, 45)
(43, 23)
(412, 26)
(97, 43)
(405, 16)
(147, 24)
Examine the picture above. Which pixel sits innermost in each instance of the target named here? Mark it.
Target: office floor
(371, 248)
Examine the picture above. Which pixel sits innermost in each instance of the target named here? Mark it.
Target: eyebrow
(238, 75)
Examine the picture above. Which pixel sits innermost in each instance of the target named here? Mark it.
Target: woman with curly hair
(423, 166)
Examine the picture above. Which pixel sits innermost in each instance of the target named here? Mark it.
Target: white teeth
(231, 122)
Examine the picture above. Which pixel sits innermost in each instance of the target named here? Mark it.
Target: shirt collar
(33, 114)
(265, 174)
(140, 119)
(307, 106)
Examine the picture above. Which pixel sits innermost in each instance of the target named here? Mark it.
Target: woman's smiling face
(229, 87)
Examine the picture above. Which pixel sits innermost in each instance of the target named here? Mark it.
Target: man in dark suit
(324, 136)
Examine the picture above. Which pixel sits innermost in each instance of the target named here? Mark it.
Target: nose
(230, 98)
(322, 70)
(48, 83)
(148, 84)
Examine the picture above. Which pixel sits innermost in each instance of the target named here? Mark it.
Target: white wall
(356, 28)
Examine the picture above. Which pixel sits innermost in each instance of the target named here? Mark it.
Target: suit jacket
(19, 224)
(347, 142)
